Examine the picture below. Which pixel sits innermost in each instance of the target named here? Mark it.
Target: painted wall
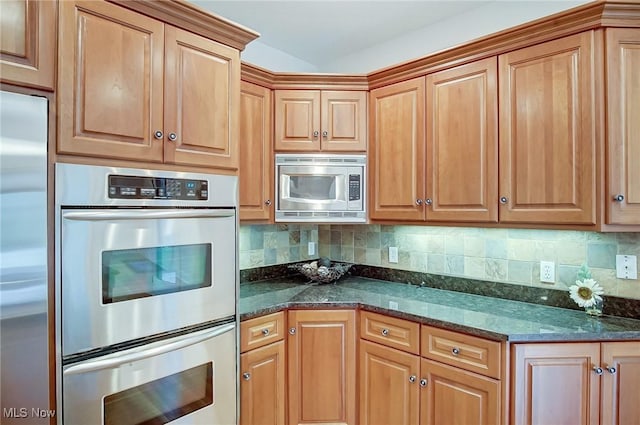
(273, 59)
(499, 255)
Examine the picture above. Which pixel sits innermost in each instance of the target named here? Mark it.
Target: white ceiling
(319, 32)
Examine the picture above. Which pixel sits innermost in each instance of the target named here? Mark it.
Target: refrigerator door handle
(113, 361)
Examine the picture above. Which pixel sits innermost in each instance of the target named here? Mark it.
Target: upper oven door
(131, 273)
(314, 187)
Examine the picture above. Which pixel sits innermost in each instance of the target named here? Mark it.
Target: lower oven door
(190, 379)
(131, 273)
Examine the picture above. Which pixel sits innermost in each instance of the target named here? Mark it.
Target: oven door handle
(116, 360)
(146, 214)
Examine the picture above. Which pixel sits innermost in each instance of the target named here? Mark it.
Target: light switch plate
(393, 254)
(311, 248)
(626, 266)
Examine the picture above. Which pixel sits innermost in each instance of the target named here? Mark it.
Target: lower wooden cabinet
(322, 366)
(576, 383)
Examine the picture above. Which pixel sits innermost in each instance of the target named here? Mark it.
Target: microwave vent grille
(282, 159)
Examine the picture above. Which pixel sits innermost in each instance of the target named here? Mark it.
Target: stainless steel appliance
(24, 352)
(321, 188)
(147, 294)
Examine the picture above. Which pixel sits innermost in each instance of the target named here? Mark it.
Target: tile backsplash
(500, 255)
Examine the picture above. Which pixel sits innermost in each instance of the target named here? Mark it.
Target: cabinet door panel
(396, 152)
(547, 141)
(620, 389)
(256, 154)
(623, 94)
(110, 85)
(262, 392)
(344, 119)
(28, 42)
(322, 359)
(462, 143)
(454, 396)
(202, 100)
(387, 396)
(297, 122)
(555, 384)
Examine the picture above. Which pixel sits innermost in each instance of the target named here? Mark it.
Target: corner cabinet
(320, 120)
(28, 43)
(547, 136)
(131, 87)
(256, 153)
(322, 367)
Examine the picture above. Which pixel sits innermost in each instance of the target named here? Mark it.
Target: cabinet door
(455, 396)
(262, 386)
(202, 101)
(389, 388)
(297, 121)
(343, 120)
(396, 151)
(555, 384)
(110, 82)
(28, 42)
(547, 140)
(621, 385)
(256, 153)
(322, 359)
(623, 94)
(462, 143)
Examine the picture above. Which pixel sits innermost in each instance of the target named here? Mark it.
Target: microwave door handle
(119, 359)
(145, 214)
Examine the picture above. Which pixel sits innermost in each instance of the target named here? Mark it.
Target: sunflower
(586, 292)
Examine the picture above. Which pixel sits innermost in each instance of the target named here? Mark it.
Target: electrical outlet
(393, 305)
(311, 248)
(393, 254)
(547, 271)
(626, 266)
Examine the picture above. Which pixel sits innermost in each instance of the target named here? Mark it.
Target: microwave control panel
(354, 187)
(138, 187)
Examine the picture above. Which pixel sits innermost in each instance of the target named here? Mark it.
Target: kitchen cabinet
(321, 364)
(580, 383)
(547, 137)
(28, 43)
(256, 153)
(320, 120)
(262, 370)
(622, 197)
(134, 88)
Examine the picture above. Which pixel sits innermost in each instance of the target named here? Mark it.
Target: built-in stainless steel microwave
(321, 188)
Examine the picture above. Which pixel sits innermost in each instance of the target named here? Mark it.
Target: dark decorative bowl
(320, 274)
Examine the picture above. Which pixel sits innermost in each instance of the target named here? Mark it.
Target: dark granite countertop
(494, 318)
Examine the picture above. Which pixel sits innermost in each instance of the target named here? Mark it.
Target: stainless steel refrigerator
(24, 359)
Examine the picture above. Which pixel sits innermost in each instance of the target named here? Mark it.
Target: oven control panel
(137, 187)
(354, 187)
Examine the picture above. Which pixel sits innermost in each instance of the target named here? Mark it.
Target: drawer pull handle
(412, 378)
(423, 382)
(612, 370)
(265, 332)
(598, 370)
(455, 351)
(246, 376)
(385, 332)
(292, 331)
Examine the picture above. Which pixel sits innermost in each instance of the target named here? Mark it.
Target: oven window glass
(144, 272)
(313, 187)
(161, 401)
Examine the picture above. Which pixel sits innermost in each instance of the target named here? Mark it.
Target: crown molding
(307, 81)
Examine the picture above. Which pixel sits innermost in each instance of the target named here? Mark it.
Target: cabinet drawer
(396, 333)
(463, 351)
(261, 331)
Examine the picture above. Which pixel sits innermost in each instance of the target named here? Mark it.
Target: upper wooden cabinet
(28, 42)
(622, 196)
(133, 88)
(547, 136)
(256, 153)
(314, 120)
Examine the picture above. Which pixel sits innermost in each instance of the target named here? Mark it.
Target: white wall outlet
(626, 266)
(393, 254)
(393, 305)
(547, 271)
(311, 248)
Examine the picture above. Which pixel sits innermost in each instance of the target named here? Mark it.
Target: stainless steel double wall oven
(146, 296)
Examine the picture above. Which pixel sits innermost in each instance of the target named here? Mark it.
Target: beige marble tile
(474, 246)
(418, 261)
(495, 269)
(521, 249)
(571, 253)
(474, 267)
